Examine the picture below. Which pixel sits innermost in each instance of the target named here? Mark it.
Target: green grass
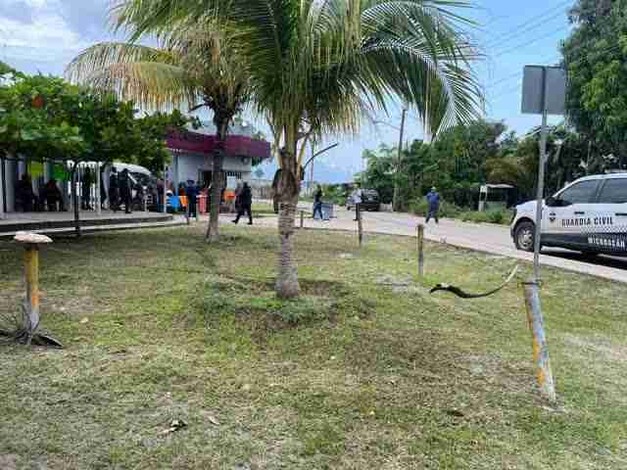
(366, 371)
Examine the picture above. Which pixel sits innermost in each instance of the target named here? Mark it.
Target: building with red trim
(193, 150)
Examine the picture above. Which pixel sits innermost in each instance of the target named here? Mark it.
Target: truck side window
(614, 191)
(579, 193)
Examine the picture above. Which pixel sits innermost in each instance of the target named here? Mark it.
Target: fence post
(421, 256)
(360, 228)
(544, 376)
(302, 218)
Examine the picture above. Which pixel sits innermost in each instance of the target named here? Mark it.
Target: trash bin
(327, 211)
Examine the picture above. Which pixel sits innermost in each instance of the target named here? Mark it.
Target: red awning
(235, 145)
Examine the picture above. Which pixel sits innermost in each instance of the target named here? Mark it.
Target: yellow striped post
(544, 376)
(31, 242)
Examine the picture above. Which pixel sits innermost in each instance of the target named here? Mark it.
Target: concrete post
(31, 242)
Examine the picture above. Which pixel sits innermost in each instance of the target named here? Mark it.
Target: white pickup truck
(588, 215)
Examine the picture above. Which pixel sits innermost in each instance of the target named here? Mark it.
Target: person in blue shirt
(433, 199)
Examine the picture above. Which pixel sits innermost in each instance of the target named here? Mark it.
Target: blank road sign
(543, 82)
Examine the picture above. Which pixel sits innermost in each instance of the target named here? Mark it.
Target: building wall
(186, 166)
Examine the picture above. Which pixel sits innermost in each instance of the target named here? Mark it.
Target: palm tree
(196, 66)
(317, 66)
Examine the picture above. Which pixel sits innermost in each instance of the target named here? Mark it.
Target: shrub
(494, 216)
(421, 207)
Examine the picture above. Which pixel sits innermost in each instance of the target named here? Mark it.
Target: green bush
(421, 207)
(495, 216)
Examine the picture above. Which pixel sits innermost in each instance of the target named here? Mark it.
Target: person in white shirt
(356, 196)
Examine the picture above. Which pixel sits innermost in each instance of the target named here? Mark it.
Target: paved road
(489, 238)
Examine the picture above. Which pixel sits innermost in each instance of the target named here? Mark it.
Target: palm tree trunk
(217, 181)
(287, 286)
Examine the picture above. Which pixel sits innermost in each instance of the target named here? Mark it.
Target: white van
(588, 215)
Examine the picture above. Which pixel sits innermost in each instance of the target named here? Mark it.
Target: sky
(44, 35)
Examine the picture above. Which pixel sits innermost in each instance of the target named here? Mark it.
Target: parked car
(588, 215)
(370, 201)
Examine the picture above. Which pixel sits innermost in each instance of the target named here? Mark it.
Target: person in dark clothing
(53, 195)
(86, 190)
(238, 201)
(24, 193)
(433, 199)
(126, 190)
(159, 200)
(245, 206)
(275, 191)
(317, 209)
(192, 198)
(114, 190)
(103, 189)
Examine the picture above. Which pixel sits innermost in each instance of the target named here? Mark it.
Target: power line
(532, 20)
(528, 43)
(516, 34)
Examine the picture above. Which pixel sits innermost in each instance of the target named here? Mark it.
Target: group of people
(49, 196)
(120, 190)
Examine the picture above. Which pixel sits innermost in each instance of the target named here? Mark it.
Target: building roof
(204, 144)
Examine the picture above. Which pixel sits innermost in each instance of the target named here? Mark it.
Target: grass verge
(366, 371)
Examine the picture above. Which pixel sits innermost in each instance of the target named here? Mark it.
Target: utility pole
(398, 161)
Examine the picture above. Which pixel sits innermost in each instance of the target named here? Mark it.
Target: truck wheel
(524, 236)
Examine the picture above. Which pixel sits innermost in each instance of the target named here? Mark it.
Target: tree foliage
(470, 155)
(33, 118)
(594, 56)
(197, 65)
(46, 117)
(315, 67)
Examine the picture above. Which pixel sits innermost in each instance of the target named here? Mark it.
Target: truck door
(610, 224)
(570, 215)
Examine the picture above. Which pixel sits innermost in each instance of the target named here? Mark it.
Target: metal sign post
(544, 92)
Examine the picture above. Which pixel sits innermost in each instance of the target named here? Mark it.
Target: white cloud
(37, 33)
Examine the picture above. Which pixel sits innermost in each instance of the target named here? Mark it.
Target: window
(614, 191)
(580, 193)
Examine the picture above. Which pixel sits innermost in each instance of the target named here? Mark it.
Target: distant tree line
(467, 156)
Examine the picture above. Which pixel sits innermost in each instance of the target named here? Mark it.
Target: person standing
(86, 183)
(245, 205)
(192, 197)
(317, 209)
(356, 196)
(103, 188)
(238, 193)
(114, 190)
(159, 200)
(53, 195)
(126, 190)
(433, 201)
(24, 193)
